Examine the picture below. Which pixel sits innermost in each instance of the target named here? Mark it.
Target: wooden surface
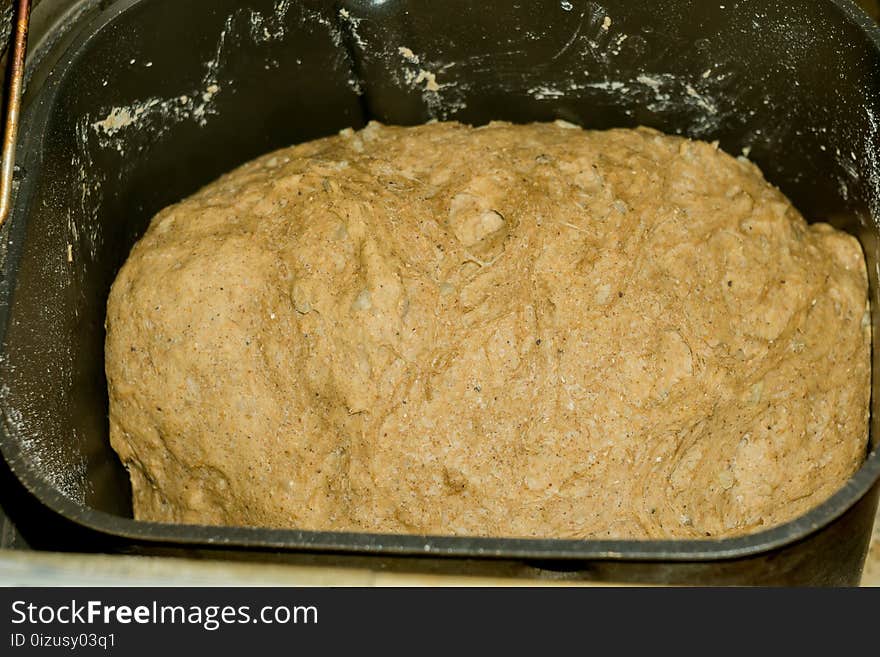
(20, 568)
(27, 568)
(871, 575)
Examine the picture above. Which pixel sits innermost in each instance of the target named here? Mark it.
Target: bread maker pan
(140, 102)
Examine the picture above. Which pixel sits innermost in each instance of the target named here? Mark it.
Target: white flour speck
(408, 55)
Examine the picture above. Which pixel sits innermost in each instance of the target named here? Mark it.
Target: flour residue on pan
(352, 24)
(413, 73)
(659, 93)
(83, 230)
(583, 64)
(263, 28)
(417, 76)
(596, 41)
(156, 115)
(65, 472)
(872, 140)
(130, 128)
(418, 73)
(544, 92)
(423, 73)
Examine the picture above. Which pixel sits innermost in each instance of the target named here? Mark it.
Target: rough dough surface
(504, 331)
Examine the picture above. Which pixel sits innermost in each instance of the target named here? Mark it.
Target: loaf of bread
(512, 330)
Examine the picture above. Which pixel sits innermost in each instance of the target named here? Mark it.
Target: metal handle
(13, 107)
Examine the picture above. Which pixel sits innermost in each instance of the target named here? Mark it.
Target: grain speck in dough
(505, 331)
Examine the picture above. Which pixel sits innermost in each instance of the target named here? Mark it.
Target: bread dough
(503, 331)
